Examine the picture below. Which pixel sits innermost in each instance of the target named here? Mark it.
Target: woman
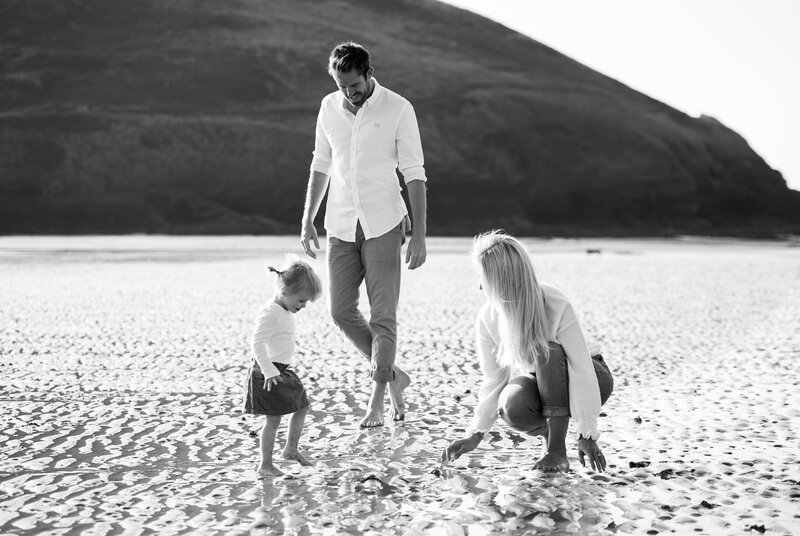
(532, 328)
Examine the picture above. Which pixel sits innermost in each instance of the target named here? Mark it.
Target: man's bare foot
(268, 470)
(552, 462)
(297, 456)
(372, 419)
(396, 388)
(374, 416)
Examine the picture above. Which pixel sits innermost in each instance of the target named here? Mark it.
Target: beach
(122, 362)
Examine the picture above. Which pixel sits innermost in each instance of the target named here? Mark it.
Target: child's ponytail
(297, 275)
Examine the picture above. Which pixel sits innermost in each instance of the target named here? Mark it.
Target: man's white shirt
(361, 153)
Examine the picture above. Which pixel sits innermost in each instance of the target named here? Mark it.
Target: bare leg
(266, 468)
(374, 416)
(556, 439)
(291, 450)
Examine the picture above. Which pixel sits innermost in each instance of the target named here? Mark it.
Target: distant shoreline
(687, 238)
(182, 248)
(544, 232)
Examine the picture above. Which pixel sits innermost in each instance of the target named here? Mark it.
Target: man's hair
(348, 56)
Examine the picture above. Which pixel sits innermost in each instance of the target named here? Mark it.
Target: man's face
(353, 85)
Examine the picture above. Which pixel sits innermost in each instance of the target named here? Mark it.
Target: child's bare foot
(552, 462)
(396, 388)
(297, 456)
(268, 470)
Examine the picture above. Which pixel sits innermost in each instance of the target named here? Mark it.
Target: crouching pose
(531, 329)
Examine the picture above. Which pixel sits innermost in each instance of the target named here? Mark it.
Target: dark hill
(197, 117)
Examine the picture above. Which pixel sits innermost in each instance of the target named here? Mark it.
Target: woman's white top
(584, 392)
(273, 338)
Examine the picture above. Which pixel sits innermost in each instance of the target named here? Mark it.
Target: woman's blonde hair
(296, 275)
(507, 276)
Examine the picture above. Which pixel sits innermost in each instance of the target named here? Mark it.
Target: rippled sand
(121, 361)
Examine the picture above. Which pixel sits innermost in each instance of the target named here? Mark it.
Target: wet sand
(121, 361)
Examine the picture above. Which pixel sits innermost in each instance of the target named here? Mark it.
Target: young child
(273, 389)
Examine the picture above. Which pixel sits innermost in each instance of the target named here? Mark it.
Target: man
(365, 133)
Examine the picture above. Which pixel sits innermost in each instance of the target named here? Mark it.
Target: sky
(735, 60)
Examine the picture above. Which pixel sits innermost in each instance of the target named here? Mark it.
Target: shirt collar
(376, 93)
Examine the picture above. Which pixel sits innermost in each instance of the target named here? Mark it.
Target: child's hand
(271, 381)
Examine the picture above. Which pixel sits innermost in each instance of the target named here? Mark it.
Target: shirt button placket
(353, 167)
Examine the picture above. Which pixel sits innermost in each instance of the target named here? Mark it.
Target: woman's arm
(494, 376)
(584, 392)
(495, 379)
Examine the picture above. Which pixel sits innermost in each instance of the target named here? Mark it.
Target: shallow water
(122, 360)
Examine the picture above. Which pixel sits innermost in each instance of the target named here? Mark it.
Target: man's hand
(589, 448)
(416, 252)
(461, 446)
(272, 381)
(307, 235)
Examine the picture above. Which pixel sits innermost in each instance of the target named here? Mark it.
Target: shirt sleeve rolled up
(322, 159)
(409, 147)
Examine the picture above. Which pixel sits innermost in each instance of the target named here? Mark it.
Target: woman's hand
(272, 381)
(589, 448)
(461, 446)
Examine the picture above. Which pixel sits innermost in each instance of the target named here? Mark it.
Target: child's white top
(584, 391)
(273, 338)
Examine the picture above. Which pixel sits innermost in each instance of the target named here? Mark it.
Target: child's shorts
(284, 398)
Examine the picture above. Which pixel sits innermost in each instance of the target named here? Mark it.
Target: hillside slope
(197, 117)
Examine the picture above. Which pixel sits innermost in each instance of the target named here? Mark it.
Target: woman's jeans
(528, 400)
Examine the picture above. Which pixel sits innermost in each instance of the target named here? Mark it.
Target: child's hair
(507, 276)
(296, 276)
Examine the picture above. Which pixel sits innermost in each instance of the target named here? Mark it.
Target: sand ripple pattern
(121, 361)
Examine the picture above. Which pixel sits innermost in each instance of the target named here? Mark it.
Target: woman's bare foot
(396, 388)
(552, 462)
(555, 458)
(296, 455)
(268, 470)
